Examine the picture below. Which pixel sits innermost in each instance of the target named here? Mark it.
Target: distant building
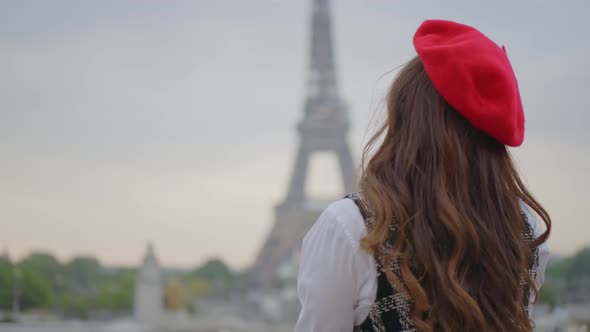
(324, 128)
(149, 291)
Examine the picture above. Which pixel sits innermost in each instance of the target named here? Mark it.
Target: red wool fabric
(474, 76)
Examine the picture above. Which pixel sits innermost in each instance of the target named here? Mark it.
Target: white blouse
(337, 281)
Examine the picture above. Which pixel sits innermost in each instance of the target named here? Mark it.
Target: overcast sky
(123, 122)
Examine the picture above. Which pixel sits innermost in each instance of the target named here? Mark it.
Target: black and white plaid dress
(391, 311)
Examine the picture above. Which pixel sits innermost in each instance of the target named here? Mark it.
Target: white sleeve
(326, 284)
(543, 256)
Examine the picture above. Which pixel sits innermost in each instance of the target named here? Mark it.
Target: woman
(443, 236)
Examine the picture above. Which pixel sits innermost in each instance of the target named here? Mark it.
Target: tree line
(73, 289)
(567, 280)
(82, 286)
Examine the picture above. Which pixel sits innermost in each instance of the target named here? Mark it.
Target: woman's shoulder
(342, 216)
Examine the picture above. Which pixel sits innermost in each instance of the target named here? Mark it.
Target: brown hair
(452, 194)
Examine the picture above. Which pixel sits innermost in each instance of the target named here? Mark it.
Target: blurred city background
(160, 161)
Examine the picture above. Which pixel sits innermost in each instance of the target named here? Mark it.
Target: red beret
(474, 76)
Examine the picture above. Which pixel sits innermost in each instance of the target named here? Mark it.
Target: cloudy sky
(123, 122)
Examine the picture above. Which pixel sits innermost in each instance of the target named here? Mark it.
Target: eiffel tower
(324, 127)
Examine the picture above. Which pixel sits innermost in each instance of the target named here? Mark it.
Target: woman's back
(442, 202)
(390, 310)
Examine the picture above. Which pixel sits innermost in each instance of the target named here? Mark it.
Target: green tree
(580, 265)
(214, 270)
(82, 274)
(547, 295)
(6, 285)
(114, 293)
(77, 288)
(117, 292)
(220, 278)
(45, 266)
(76, 305)
(34, 290)
(571, 269)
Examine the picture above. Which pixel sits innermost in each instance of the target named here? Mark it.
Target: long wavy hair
(453, 197)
